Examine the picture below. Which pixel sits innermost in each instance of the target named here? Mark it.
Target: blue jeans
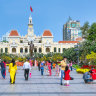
(42, 70)
(62, 74)
(71, 68)
(3, 72)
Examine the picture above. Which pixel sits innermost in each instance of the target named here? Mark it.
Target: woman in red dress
(67, 76)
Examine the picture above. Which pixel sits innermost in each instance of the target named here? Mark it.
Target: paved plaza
(45, 85)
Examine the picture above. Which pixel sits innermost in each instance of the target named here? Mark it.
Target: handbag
(71, 78)
(30, 74)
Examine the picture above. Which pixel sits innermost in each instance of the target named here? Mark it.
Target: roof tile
(13, 33)
(47, 33)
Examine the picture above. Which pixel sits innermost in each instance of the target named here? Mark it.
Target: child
(54, 65)
(67, 76)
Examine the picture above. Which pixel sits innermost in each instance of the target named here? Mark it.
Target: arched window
(6, 50)
(40, 50)
(35, 50)
(47, 49)
(1, 50)
(26, 50)
(58, 49)
(63, 49)
(13, 50)
(39, 41)
(21, 41)
(54, 49)
(21, 50)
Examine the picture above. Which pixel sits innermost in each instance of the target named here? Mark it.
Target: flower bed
(79, 70)
(88, 66)
(83, 69)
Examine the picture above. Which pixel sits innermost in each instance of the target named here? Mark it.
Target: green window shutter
(54, 49)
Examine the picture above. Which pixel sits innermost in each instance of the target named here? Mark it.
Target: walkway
(45, 86)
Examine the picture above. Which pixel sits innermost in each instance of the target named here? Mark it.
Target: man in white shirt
(26, 67)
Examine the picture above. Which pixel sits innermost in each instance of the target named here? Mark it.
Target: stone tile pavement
(45, 85)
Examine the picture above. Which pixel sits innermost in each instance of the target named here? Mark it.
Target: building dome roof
(13, 33)
(47, 33)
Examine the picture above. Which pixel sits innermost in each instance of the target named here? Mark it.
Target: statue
(31, 48)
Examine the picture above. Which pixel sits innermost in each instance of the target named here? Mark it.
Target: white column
(28, 49)
(3, 50)
(37, 49)
(10, 50)
(50, 49)
(61, 48)
(23, 50)
(17, 51)
(44, 49)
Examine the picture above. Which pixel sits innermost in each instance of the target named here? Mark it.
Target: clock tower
(30, 28)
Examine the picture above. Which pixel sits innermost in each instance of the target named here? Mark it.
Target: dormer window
(21, 41)
(39, 41)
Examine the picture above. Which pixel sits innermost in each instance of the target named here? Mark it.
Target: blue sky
(47, 14)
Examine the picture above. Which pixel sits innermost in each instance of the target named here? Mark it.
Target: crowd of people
(63, 71)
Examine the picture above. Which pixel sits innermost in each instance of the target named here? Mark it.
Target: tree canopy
(85, 29)
(92, 33)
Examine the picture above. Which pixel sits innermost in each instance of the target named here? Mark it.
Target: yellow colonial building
(42, 44)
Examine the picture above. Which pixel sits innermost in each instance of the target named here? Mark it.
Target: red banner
(31, 9)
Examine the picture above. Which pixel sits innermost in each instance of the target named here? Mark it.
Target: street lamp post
(77, 52)
(78, 58)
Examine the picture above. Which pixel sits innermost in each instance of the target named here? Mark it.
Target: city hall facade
(18, 45)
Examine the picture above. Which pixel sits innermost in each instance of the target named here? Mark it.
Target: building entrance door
(13, 50)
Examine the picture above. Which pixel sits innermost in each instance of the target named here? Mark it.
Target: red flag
(31, 9)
